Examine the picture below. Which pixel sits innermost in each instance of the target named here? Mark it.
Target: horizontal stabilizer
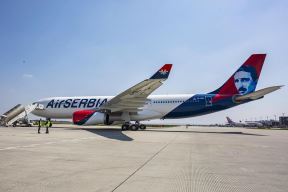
(257, 94)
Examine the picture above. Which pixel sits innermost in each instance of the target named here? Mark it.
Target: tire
(142, 127)
(124, 127)
(134, 127)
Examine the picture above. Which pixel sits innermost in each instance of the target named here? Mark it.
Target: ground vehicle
(22, 123)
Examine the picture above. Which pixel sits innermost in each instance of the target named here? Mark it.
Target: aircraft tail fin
(229, 120)
(245, 79)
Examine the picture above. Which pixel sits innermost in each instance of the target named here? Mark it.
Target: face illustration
(244, 82)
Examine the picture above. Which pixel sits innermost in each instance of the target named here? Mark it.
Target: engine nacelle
(88, 117)
(92, 117)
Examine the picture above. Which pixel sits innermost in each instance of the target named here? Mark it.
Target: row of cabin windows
(168, 101)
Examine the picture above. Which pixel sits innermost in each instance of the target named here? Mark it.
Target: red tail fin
(245, 79)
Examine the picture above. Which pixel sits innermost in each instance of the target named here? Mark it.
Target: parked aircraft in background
(245, 124)
(136, 104)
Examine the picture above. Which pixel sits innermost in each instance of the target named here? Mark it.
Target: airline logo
(76, 103)
(163, 73)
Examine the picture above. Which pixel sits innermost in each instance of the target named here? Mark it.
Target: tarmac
(163, 159)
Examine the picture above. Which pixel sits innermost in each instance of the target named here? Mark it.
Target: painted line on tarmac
(47, 143)
(145, 163)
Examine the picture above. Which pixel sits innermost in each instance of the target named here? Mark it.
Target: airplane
(245, 124)
(136, 104)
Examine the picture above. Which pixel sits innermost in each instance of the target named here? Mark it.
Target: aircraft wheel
(125, 127)
(134, 127)
(142, 127)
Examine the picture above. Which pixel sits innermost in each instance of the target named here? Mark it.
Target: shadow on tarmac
(109, 133)
(117, 134)
(209, 132)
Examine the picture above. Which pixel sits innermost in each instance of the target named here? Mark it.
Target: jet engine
(92, 117)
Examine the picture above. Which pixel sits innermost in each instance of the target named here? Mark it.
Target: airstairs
(16, 113)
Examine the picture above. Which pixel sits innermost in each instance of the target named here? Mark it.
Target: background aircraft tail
(229, 120)
(245, 79)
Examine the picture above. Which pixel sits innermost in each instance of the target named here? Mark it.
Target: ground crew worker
(48, 125)
(39, 126)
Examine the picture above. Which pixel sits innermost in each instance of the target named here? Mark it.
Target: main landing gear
(133, 127)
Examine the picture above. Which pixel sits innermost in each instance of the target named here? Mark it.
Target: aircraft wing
(134, 98)
(257, 94)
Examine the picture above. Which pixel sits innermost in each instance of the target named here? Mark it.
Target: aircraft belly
(145, 115)
(55, 113)
(155, 111)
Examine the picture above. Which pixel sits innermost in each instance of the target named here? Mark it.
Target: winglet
(162, 73)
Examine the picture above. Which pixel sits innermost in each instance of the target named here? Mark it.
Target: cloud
(27, 76)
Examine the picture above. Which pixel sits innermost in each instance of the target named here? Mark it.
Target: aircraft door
(208, 101)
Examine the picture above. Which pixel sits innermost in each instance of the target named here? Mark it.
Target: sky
(76, 48)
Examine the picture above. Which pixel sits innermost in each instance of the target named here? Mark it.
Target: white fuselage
(156, 107)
